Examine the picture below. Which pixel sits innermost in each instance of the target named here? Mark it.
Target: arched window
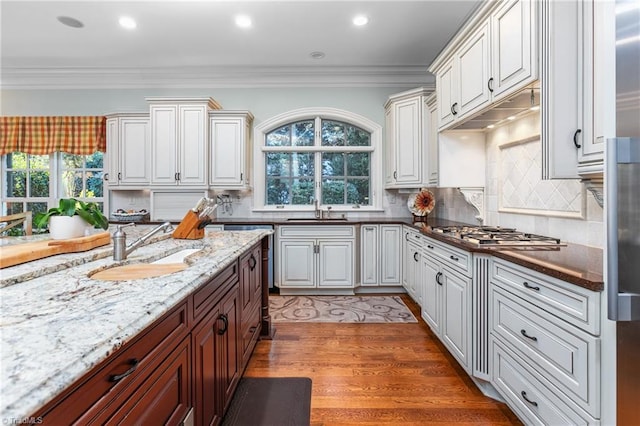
(324, 154)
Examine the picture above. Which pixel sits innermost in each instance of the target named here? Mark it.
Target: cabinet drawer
(211, 292)
(132, 363)
(563, 355)
(450, 256)
(574, 304)
(535, 402)
(323, 231)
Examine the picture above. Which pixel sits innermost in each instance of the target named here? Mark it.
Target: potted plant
(70, 219)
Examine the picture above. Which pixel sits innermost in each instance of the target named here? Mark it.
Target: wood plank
(21, 253)
(138, 271)
(377, 374)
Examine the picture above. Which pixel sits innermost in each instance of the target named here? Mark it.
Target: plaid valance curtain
(45, 135)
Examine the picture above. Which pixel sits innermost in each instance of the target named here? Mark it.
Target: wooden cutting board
(22, 253)
(138, 271)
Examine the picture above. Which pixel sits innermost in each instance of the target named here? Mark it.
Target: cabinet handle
(106, 176)
(531, 287)
(406, 236)
(119, 176)
(452, 257)
(117, 377)
(241, 175)
(414, 256)
(575, 138)
(225, 321)
(395, 175)
(429, 246)
(490, 84)
(524, 395)
(524, 333)
(252, 258)
(453, 109)
(438, 275)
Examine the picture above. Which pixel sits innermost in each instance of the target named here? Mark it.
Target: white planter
(65, 227)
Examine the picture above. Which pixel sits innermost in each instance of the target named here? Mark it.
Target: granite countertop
(56, 323)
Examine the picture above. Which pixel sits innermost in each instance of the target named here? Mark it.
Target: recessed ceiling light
(317, 55)
(243, 21)
(490, 126)
(70, 22)
(127, 22)
(360, 20)
(512, 117)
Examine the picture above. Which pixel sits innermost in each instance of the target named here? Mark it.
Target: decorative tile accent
(522, 190)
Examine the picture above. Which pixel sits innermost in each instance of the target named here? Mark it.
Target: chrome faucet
(120, 248)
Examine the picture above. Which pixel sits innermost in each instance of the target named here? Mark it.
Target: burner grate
(496, 236)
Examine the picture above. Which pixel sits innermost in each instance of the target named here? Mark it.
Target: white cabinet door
(135, 151)
(408, 136)
(164, 149)
(229, 145)
(390, 254)
(414, 273)
(369, 255)
(297, 263)
(335, 267)
(431, 122)
(192, 145)
(431, 294)
(473, 72)
(447, 89)
(456, 306)
(390, 147)
(113, 151)
(567, 88)
(128, 150)
(514, 50)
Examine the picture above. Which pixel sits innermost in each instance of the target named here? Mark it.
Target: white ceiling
(197, 44)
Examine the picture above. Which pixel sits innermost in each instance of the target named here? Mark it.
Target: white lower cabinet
(545, 346)
(446, 307)
(411, 272)
(380, 255)
(316, 257)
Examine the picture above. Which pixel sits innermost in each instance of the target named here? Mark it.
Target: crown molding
(213, 77)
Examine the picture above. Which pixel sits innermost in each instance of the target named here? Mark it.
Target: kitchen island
(57, 323)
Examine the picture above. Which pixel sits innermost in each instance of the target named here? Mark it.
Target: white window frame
(260, 150)
(56, 168)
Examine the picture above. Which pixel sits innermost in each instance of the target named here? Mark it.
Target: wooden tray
(22, 253)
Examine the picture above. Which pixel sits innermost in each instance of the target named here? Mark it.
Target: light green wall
(263, 103)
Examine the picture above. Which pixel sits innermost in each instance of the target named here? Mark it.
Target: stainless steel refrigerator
(622, 179)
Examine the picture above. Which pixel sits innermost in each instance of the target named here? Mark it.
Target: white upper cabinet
(570, 148)
(493, 56)
(431, 124)
(514, 49)
(405, 144)
(128, 150)
(229, 148)
(179, 136)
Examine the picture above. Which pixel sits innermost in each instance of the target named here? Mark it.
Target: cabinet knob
(575, 138)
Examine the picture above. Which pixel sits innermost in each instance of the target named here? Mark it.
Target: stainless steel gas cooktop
(493, 236)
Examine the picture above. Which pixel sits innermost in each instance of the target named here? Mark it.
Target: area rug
(270, 401)
(347, 309)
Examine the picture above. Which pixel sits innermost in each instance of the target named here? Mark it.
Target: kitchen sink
(169, 264)
(314, 219)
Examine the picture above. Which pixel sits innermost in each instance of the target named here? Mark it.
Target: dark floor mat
(270, 401)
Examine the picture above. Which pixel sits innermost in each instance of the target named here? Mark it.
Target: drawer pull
(524, 395)
(415, 256)
(225, 321)
(438, 275)
(429, 246)
(524, 333)
(452, 257)
(117, 377)
(531, 287)
(406, 236)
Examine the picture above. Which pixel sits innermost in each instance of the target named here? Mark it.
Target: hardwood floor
(376, 374)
